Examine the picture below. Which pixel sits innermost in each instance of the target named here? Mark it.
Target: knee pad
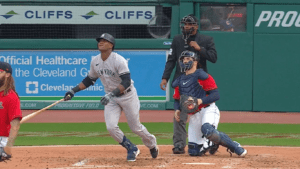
(194, 149)
(211, 133)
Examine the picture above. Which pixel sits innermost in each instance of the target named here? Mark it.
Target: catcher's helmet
(187, 66)
(107, 37)
(189, 19)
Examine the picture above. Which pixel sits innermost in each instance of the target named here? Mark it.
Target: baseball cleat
(132, 154)
(244, 153)
(178, 150)
(154, 152)
(239, 150)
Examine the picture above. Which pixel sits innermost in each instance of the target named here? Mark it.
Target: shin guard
(218, 137)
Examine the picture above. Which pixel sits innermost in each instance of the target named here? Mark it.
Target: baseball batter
(121, 95)
(10, 112)
(204, 120)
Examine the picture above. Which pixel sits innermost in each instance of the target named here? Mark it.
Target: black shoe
(178, 150)
(213, 149)
(154, 152)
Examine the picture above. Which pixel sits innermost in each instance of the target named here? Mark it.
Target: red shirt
(9, 110)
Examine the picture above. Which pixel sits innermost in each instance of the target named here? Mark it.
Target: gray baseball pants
(128, 103)
(179, 128)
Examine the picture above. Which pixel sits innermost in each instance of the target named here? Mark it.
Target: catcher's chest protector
(189, 85)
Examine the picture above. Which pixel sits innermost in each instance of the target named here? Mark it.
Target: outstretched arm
(86, 82)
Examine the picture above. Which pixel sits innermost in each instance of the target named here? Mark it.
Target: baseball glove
(188, 104)
(3, 155)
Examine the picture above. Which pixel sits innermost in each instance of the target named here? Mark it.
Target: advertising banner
(48, 75)
(277, 19)
(76, 14)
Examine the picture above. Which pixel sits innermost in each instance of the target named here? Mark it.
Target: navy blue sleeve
(176, 104)
(212, 97)
(202, 75)
(176, 82)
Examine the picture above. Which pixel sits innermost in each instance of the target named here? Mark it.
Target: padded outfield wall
(257, 68)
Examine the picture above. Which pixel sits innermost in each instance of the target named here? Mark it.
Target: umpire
(202, 45)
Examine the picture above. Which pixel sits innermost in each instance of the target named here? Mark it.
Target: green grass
(96, 133)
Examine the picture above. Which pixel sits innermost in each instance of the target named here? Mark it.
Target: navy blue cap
(6, 67)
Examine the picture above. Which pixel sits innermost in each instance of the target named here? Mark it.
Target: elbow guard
(126, 80)
(87, 81)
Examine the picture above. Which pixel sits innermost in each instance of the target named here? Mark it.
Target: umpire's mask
(190, 20)
(187, 66)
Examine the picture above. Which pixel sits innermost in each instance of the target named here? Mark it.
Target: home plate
(199, 163)
(80, 163)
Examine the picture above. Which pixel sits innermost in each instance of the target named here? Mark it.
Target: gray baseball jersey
(109, 71)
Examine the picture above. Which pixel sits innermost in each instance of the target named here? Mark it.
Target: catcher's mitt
(3, 155)
(188, 104)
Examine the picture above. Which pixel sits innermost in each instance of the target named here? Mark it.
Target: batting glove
(105, 99)
(3, 155)
(69, 95)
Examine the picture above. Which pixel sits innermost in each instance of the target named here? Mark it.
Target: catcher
(10, 112)
(195, 94)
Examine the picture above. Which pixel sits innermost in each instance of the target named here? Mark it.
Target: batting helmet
(107, 37)
(187, 66)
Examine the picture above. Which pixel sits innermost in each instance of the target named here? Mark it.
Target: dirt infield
(106, 156)
(78, 157)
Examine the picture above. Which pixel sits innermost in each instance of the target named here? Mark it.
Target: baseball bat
(30, 116)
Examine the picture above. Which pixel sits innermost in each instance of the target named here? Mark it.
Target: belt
(198, 110)
(125, 91)
(204, 107)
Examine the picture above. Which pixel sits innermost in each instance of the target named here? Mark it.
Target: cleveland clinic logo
(32, 87)
(9, 14)
(89, 15)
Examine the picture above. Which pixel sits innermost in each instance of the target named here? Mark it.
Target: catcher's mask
(187, 66)
(188, 20)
